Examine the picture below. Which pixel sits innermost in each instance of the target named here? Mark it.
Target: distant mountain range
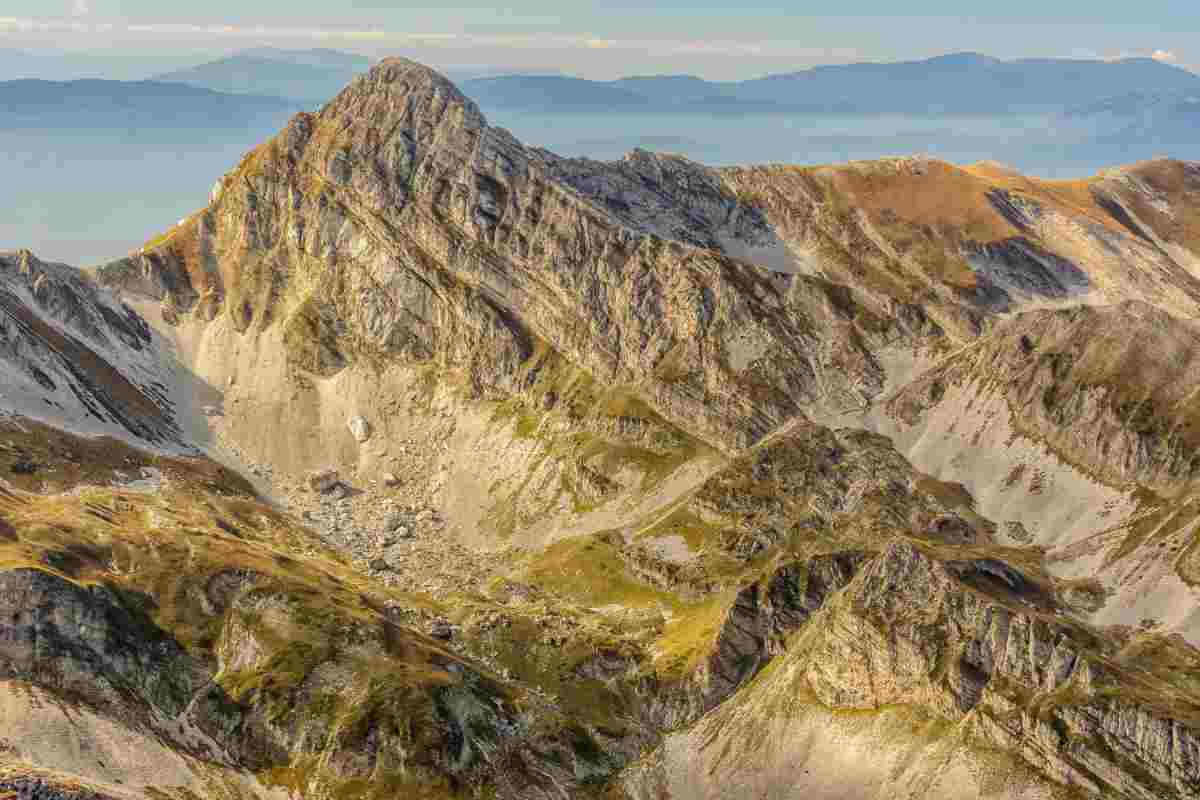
(56, 64)
(1166, 118)
(98, 104)
(307, 75)
(312, 76)
(959, 83)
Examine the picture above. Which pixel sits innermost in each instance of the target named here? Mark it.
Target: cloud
(1164, 55)
(716, 48)
(21, 25)
(533, 41)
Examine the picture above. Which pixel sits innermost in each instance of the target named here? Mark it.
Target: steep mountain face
(637, 479)
(73, 355)
(941, 675)
(396, 227)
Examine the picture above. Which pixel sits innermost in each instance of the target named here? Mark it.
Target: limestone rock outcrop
(396, 224)
(73, 354)
(972, 642)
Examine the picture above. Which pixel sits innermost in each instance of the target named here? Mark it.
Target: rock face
(973, 642)
(1107, 388)
(401, 226)
(754, 630)
(873, 480)
(87, 645)
(73, 354)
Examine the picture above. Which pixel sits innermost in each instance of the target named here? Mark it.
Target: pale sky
(605, 40)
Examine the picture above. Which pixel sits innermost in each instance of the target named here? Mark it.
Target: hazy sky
(725, 40)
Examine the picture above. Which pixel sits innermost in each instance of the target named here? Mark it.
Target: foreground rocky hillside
(441, 466)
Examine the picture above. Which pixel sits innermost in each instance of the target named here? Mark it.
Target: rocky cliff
(74, 355)
(397, 225)
(964, 674)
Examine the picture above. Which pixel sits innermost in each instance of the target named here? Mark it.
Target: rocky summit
(422, 463)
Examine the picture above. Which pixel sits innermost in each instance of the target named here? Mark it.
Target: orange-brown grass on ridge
(1179, 183)
(1068, 196)
(1175, 182)
(806, 206)
(928, 192)
(939, 195)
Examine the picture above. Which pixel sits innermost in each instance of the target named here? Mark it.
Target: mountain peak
(406, 84)
(397, 69)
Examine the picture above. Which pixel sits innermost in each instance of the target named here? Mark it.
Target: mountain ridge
(637, 479)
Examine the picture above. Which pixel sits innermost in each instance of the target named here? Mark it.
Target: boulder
(393, 557)
(360, 429)
(397, 526)
(323, 481)
(1018, 532)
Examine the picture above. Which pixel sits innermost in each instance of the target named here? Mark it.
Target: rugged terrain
(435, 465)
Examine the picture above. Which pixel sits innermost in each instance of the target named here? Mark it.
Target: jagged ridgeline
(421, 463)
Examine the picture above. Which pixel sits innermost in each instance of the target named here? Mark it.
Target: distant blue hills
(959, 83)
(306, 75)
(964, 83)
(1155, 118)
(102, 104)
(1128, 98)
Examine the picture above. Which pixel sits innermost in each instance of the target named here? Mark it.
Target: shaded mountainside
(74, 355)
(640, 479)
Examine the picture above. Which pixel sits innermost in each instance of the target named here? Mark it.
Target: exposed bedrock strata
(971, 641)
